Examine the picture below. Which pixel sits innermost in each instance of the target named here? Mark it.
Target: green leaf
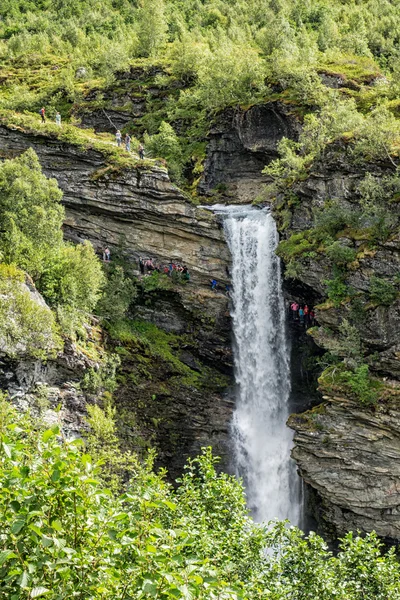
(24, 579)
(24, 471)
(6, 555)
(55, 475)
(15, 506)
(39, 591)
(57, 525)
(150, 588)
(47, 541)
(46, 435)
(36, 529)
(17, 526)
(7, 450)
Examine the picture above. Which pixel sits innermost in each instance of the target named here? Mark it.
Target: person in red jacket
(43, 114)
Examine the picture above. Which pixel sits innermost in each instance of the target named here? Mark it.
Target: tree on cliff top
(151, 27)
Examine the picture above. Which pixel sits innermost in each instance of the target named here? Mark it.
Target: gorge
(144, 214)
(199, 299)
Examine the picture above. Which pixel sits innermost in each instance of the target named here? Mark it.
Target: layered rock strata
(139, 212)
(347, 452)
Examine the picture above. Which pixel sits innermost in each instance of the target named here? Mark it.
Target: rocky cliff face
(138, 212)
(240, 144)
(350, 455)
(347, 450)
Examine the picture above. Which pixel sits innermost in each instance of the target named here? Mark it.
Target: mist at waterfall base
(260, 437)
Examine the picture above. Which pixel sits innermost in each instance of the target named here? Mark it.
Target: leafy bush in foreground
(64, 535)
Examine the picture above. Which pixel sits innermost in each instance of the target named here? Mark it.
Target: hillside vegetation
(209, 55)
(88, 520)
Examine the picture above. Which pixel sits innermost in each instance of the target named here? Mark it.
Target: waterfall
(261, 439)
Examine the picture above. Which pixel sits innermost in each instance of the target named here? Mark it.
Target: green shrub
(165, 144)
(350, 343)
(108, 538)
(382, 291)
(156, 281)
(376, 137)
(27, 327)
(334, 218)
(73, 278)
(102, 378)
(118, 294)
(297, 244)
(30, 214)
(337, 290)
(151, 27)
(362, 385)
(340, 255)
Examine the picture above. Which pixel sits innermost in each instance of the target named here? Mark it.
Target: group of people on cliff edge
(148, 266)
(127, 143)
(302, 313)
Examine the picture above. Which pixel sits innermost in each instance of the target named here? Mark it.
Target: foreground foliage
(63, 534)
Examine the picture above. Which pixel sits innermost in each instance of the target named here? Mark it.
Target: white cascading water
(261, 439)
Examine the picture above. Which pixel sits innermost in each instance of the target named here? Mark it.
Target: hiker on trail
(301, 315)
(58, 119)
(42, 113)
(141, 151)
(214, 284)
(228, 290)
(311, 318)
(141, 265)
(185, 273)
(118, 138)
(127, 142)
(106, 255)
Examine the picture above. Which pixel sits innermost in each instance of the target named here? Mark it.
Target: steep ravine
(346, 453)
(138, 212)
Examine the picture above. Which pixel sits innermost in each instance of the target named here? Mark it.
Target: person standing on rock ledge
(127, 142)
(58, 119)
(141, 151)
(42, 113)
(141, 265)
(106, 254)
(118, 138)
